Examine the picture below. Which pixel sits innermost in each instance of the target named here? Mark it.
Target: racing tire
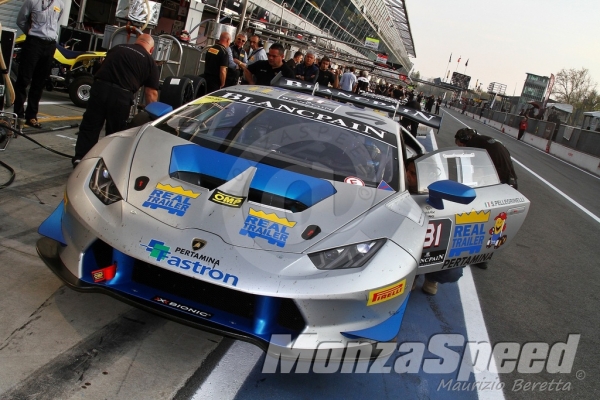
(176, 91)
(199, 85)
(79, 90)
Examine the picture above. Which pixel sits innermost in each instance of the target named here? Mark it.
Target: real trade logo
(267, 226)
(176, 200)
(469, 232)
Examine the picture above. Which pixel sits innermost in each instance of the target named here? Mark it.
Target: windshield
(282, 140)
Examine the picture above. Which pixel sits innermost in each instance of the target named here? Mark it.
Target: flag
(459, 59)
(467, 63)
(450, 57)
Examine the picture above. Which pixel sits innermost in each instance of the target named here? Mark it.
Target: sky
(505, 39)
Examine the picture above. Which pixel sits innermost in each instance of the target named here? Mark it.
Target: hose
(11, 170)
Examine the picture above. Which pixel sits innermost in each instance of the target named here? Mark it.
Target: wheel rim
(83, 92)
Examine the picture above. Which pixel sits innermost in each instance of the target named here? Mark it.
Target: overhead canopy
(595, 114)
(562, 107)
(397, 8)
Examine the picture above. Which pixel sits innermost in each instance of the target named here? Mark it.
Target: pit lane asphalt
(56, 343)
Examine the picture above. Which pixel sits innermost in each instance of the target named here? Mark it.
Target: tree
(575, 87)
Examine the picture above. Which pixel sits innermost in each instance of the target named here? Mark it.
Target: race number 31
(433, 235)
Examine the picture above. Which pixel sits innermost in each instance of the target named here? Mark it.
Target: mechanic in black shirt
(215, 63)
(500, 156)
(262, 72)
(127, 67)
(326, 75)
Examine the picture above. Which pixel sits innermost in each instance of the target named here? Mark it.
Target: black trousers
(34, 69)
(109, 103)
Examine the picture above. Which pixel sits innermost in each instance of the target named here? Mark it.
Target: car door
(463, 234)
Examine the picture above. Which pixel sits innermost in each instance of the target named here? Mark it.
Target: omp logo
(226, 199)
(386, 293)
(158, 250)
(473, 217)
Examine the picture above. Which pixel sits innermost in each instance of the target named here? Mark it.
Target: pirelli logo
(386, 293)
(226, 199)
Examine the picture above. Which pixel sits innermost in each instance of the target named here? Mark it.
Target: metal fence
(575, 138)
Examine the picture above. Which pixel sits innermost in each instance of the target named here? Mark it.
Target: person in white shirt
(348, 80)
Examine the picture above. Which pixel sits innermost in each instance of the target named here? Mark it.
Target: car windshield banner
(364, 99)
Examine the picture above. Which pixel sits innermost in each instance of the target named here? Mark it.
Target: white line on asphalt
(477, 332)
(230, 373)
(66, 137)
(50, 103)
(557, 190)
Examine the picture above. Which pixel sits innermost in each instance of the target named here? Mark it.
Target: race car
(274, 215)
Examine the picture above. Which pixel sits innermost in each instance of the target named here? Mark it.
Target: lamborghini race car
(272, 215)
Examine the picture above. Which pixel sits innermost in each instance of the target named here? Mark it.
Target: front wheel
(79, 90)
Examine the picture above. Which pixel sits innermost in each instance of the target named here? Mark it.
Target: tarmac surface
(59, 344)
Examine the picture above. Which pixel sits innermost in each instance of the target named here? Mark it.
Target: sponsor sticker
(387, 293)
(162, 253)
(212, 50)
(497, 231)
(209, 99)
(182, 307)
(267, 226)
(226, 199)
(505, 202)
(176, 200)
(353, 180)
(436, 242)
(469, 232)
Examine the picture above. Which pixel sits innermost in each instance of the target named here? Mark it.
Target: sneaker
(33, 123)
(430, 287)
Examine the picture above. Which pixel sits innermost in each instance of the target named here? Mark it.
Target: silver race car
(276, 216)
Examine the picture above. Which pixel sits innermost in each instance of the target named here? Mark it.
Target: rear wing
(367, 100)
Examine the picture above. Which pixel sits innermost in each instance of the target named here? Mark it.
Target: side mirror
(451, 191)
(158, 109)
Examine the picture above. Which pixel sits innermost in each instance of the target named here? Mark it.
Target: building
(344, 24)
(533, 90)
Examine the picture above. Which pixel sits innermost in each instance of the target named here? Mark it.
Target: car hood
(187, 186)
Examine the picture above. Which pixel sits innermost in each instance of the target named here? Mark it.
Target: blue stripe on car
(292, 185)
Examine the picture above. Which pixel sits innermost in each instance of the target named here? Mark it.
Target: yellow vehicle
(71, 71)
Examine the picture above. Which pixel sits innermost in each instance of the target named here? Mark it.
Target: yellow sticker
(210, 99)
(212, 50)
(386, 293)
(56, 9)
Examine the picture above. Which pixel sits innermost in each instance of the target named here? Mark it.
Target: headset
(465, 134)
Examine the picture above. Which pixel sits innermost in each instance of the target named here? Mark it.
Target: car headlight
(353, 256)
(103, 186)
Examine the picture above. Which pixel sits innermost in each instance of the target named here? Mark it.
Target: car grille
(218, 297)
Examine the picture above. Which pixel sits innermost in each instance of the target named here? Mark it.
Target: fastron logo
(158, 250)
(452, 355)
(161, 252)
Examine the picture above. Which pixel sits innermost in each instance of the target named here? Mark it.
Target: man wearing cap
(500, 156)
